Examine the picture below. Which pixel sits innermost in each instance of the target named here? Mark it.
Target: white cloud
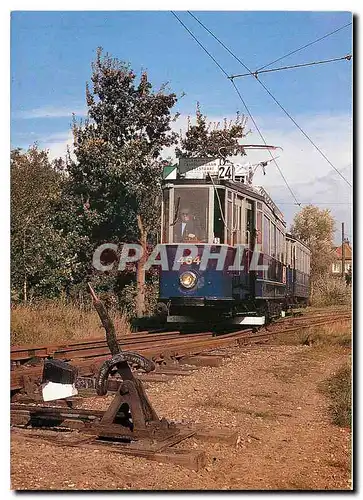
(57, 143)
(49, 112)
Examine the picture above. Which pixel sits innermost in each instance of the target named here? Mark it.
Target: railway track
(164, 348)
(148, 436)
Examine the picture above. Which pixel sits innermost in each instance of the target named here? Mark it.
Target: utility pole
(343, 252)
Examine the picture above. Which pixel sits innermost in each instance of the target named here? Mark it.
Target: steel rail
(176, 348)
(24, 352)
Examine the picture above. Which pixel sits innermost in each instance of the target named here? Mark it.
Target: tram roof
(289, 236)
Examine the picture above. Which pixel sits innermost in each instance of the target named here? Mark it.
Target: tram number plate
(189, 260)
(225, 172)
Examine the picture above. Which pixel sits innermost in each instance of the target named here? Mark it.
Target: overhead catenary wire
(258, 72)
(263, 139)
(201, 45)
(304, 47)
(272, 96)
(241, 98)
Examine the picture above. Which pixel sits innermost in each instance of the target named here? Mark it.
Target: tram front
(207, 238)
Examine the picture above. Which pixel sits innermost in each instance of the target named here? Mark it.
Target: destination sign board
(198, 168)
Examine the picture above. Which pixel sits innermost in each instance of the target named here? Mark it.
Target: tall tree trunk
(140, 273)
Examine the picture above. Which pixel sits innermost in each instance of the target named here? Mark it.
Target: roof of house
(347, 251)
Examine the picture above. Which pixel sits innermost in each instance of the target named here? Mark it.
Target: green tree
(315, 227)
(117, 172)
(40, 261)
(212, 139)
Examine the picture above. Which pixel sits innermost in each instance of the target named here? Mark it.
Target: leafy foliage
(117, 173)
(315, 227)
(210, 139)
(41, 262)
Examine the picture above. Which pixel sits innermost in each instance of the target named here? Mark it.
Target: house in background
(337, 265)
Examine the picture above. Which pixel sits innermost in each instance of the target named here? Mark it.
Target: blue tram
(230, 259)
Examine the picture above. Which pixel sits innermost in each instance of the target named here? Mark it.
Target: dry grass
(334, 334)
(325, 339)
(338, 388)
(55, 321)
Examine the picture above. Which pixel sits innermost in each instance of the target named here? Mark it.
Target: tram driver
(187, 228)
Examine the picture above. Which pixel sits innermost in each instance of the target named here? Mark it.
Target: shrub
(127, 298)
(329, 291)
(339, 389)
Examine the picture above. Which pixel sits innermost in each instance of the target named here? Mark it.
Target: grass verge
(338, 388)
(55, 321)
(338, 334)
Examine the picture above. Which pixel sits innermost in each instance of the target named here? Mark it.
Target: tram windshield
(186, 215)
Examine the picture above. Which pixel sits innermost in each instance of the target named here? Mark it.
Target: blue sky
(51, 55)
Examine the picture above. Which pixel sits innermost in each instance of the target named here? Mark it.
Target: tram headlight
(188, 279)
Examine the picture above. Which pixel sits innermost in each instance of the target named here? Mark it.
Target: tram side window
(266, 235)
(293, 255)
(283, 253)
(229, 222)
(278, 244)
(304, 261)
(288, 254)
(299, 258)
(190, 217)
(273, 240)
(259, 227)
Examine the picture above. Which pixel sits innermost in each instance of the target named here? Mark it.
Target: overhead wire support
(258, 72)
(271, 95)
(304, 46)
